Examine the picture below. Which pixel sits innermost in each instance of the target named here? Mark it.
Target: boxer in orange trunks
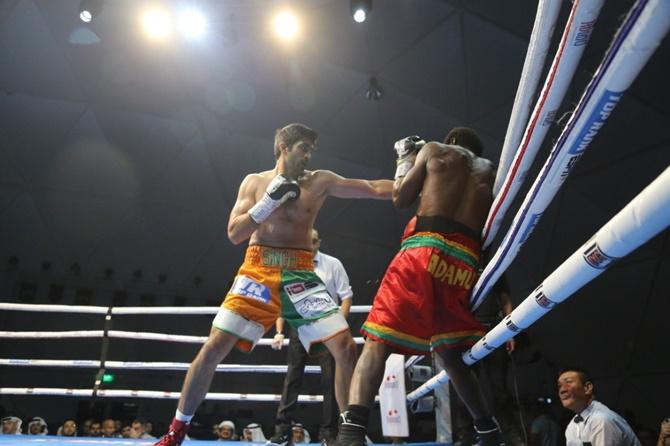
(276, 210)
(423, 300)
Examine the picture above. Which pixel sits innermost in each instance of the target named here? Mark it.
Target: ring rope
(120, 334)
(576, 35)
(92, 309)
(138, 365)
(152, 394)
(538, 48)
(634, 43)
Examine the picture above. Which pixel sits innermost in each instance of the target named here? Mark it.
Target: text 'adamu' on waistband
(284, 258)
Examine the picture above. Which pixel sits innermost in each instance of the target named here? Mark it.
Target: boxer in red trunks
(423, 300)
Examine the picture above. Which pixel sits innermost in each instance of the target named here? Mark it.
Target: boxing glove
(280, 190)
(405, 149)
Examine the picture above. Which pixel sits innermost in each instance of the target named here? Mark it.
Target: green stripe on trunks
(396, 340)
(288, 310)
(419, 241)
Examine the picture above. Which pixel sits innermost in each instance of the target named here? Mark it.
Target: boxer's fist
(407, 146)
(277, 342)
(280, 190)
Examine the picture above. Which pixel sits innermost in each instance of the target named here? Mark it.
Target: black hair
(465, 137)
(291, 134)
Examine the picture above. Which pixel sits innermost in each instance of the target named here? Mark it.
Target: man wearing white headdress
(11, 425)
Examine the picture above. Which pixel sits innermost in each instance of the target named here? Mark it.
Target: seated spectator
(253, 433)
(593, 423)
(664, 436)
(11, 425)
(126, 431)
(86, 427)
(109, 429)
(300, 434)
(67, 429)
(95, 429)
(149, 428)
(226, 431)
(138, 430)
(37, 426)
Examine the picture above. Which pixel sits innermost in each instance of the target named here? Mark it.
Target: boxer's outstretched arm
(240, 224)
(340, 187)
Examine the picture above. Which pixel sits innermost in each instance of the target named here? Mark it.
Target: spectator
(253, 433)
(138, 429)
(226, 431)
(126, 431)
(594, 423)
(68, 429)
(300, 434)
(109, 429)
(86, 427)
(664, 436)
(11, 425)
(37, 426)
(95, 429)
(149, 428)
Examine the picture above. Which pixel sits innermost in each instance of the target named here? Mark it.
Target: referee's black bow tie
(578, 419)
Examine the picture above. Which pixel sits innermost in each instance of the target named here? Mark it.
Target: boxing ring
(645, 216)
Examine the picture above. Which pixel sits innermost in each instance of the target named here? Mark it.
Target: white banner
(392, 402)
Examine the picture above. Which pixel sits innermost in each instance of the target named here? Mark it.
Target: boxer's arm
(406, 189)
(340, 187)
(240, 224)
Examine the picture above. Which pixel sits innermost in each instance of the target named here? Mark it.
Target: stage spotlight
(192, 24)
(156, 23)
(89, 9)
(286, 25)
(360, 9)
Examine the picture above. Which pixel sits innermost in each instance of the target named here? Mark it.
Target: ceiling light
(156, 23)
(360, 9)
(286, 25)
(89, 9)
(192, 24)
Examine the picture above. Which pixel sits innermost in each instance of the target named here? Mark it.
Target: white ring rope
(139, 365)
(119, 334)
(538, 47)
(635, 41)
(177, 311)
(153, 394)
(576, 35)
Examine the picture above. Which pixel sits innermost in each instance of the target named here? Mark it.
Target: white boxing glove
(280, 190)
(405, 149)
(277, 342)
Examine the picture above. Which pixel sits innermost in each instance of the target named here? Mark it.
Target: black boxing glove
(279, 191)
(405, 149)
